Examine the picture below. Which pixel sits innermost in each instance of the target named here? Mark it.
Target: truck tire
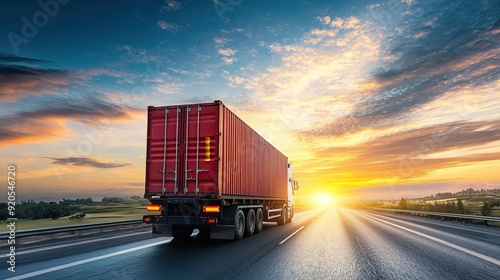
(239, 225)
(250, 222)
(259, 220)
(181, 232)
(283, 217)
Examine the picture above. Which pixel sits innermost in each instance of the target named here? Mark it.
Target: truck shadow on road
(211, 257)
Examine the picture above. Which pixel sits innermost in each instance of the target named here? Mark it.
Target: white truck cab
(293, 185)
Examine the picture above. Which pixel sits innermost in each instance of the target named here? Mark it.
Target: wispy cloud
(171, 5)
(227, 55)
(85, 162)
(220, 41)
(412, 153)
(137, 55)
(47, 120)
(356, 92)
(168, 26)
(22, 76)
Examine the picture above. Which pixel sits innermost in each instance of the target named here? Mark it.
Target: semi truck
(206, 169)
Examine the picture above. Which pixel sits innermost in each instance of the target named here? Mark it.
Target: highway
(323, 243)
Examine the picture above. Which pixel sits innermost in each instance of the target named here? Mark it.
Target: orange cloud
(48, 121)
(33, 83)
(15, 132)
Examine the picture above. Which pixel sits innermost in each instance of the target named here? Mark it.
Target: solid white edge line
(284, 240)
(465, 250)
(435, 223)
(35, 250)
(59, 267)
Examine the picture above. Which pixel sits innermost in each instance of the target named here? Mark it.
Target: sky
(368, 99)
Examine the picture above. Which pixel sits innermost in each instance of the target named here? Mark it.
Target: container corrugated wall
(249, 165)
(232, 159)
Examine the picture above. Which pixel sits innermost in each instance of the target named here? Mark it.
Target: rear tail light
(154, 207)
(147, 219)
(211, 209)
(212, 221)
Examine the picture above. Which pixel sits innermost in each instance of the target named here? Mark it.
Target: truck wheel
(283, 217)
(250, 224)
(181, 232)
(259, 220)
(289, 220)
(239, 225)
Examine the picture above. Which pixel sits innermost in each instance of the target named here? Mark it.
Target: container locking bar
(164, 153)
(197, 190)
(176, 188)
(188, 109)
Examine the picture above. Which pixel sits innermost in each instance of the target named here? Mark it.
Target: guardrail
(53, 230)
(440, 214)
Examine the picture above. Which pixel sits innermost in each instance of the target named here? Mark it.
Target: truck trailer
(208, 170)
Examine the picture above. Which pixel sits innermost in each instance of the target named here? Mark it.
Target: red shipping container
(205, 150)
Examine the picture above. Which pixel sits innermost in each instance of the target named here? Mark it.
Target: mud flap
(222, 232)
(162, 230)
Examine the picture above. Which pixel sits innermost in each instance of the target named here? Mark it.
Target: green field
(94, 214)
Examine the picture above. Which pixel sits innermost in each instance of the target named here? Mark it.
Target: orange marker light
(153, 207)
(211, 208)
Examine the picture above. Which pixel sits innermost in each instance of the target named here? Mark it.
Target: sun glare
(324, 199)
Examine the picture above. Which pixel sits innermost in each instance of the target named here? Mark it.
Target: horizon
(330, 200)
(368, 99)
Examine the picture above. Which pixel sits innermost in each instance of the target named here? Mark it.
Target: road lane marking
(59, 267)
(391, 217)
(284, 240)
(465, 250)
(73, 244)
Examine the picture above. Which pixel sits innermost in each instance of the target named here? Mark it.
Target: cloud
(22, 76)
(337, 22)
(228, 60)
(47, 119)
(227, 55)
(85, 162)
(386, 74)
(171, 5)
(220, 41)
(358, 93)
(137, 55)
(234, 81)
(13, 59)
(431, 57)
(169, 87)
(168, 26)
(413, 153)
(325, 19)
(323, 33)
(227, 52)
(15, 131)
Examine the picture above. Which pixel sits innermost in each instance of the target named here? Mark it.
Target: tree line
(457, 207)
(29, 209)
(38, 210)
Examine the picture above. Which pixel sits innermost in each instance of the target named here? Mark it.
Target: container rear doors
(182, 150)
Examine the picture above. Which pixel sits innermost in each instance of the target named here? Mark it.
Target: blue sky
(367, 98)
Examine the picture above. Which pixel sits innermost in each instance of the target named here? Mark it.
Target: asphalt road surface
(328, 243)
